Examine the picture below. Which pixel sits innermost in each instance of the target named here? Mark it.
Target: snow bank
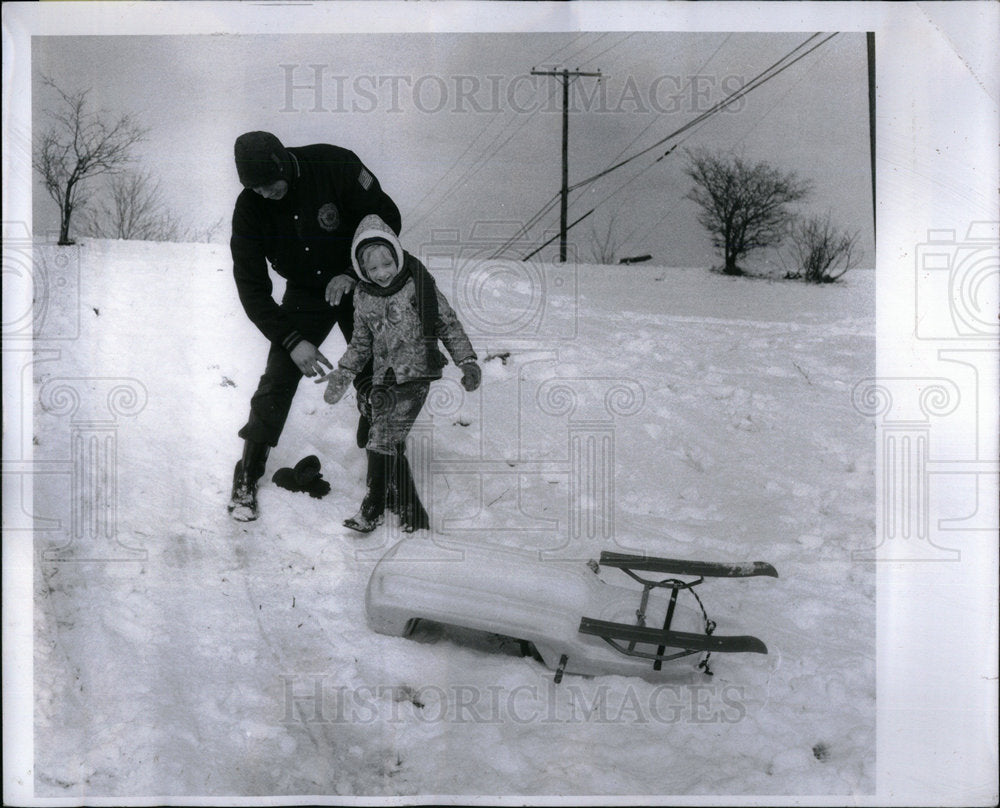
(708, 417)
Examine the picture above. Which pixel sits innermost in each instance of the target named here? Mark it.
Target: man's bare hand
(338, 287)
(309, 360)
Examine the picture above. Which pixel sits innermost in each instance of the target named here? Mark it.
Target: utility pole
(565, 75)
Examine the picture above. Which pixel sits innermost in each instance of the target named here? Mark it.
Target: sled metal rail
(706, 569)
(691, 643)
(618, 634)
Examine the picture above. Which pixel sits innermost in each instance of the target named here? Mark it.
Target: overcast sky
(459, 132)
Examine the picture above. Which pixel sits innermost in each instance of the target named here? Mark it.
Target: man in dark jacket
(298, 211)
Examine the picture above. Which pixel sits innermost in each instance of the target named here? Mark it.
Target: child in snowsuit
(399, 316)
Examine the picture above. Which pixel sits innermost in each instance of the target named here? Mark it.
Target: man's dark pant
(270, 404)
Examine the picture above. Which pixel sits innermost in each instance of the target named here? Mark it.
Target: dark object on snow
(305, 478)
(306, 470)
(635, 259)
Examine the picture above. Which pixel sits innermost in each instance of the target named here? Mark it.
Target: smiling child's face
(379, 265)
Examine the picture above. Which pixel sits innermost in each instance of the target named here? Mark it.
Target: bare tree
(604, 245)
(136, 210)
(743, 206)
(206, 233)
(821, 251)
(78, 145)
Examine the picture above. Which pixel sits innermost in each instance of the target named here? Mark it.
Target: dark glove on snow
(305, 477)
(306, 470)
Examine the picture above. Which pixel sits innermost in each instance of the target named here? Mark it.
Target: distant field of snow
(231, 659)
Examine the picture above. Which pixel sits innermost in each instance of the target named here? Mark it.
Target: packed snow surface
(205, 657)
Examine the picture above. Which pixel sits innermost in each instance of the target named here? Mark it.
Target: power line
(610, 47)
(569, 59)
(655, 120)
(487, 152)
(525, 228)
(576, 39)
(761, 78)
(770, 109)
(440, 179)
(758, 80)
(557, 235)
(485, 156)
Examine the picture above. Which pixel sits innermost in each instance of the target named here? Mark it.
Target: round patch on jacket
(328, 217)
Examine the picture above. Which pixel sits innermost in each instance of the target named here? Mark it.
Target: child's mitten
(471, 375)
(336, 384)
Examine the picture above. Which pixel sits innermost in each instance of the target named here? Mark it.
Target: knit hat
(260, 159)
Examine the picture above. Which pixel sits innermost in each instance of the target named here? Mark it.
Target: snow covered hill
(203, 657)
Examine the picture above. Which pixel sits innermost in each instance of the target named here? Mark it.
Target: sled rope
(709, 628)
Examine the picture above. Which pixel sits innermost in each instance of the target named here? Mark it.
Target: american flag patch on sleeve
(366, 179)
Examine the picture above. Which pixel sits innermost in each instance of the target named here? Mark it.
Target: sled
(564, 611)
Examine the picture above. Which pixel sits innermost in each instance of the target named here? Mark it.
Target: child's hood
(371, 227)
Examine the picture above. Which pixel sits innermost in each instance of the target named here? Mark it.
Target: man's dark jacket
(306, 236)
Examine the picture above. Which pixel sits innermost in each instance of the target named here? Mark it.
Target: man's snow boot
(372, 509)
(412, 515)
(249, 469)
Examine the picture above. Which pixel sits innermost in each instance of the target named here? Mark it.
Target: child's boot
(412, 515)
(372, 509)
(392, 485)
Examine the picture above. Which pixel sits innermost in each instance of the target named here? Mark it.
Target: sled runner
(563, 611)
(689, 643)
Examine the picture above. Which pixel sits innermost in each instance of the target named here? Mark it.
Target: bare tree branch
(78, 145)
(604, 245)
(743, 206)
(821, 251)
